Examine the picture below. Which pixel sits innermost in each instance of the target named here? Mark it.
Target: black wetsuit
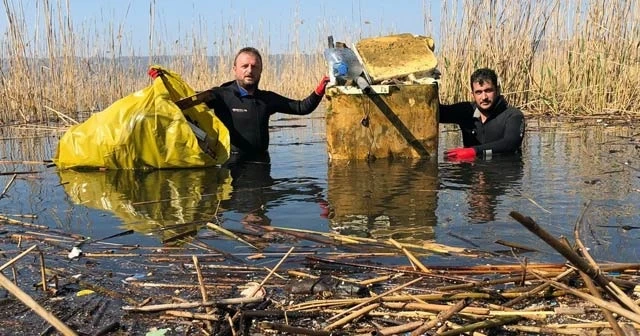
(501, 133)
(247, 117)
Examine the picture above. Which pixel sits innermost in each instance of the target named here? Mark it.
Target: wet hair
(483, 75)
(248, 50)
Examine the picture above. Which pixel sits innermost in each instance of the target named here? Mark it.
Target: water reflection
(172, 204)
(255, 192)
(384, 199)
(484, 181)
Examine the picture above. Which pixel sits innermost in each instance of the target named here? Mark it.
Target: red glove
(324, 208)
(322, 86)
(461, 154)
(153, 72)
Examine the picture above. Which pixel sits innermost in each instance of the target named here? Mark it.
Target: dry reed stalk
(43, 272)
(575, 259)
(228, 233)
(403, 328)
(387, 269)
(545, 330)
(112, 255)
(6, 188)
(33, 305)
(504, 268)
(441, 318)
(37, 235)
(436, 307)
(537, 289)
(18, 257)
(491, 323)
(451, 325)
(599, 302)
(21, 223)
(483, 283)
(617, 330)
(203, 289)
(257, 288)
(434, 248)
(585, 325)
(144, 302)
(176, 285)
(394, 298)
(194, 316)
(376, 280)
(411, 257)
(188, 305)
(524, 313)
(274, 273)
(558, 61)
(495, 307)
(376, 297)
(28, 172)
(231, 326)
(547, 62)
(301, 274)
(315, 304)
(32, 216)
(66, 119)
(354, 315)
(399, 314)
(292, 330)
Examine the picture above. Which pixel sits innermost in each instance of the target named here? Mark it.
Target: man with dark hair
(245, 109)
(489, 125)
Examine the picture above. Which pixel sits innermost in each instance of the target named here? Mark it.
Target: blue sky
(272, 18)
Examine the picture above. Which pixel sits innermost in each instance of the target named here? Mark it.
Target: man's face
(485, 95)
(247, 69)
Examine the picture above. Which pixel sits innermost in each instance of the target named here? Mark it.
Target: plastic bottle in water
(343, 64)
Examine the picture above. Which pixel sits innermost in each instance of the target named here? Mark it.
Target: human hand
(322, 86)
(461, 154)
(324, 208)
(154, 73)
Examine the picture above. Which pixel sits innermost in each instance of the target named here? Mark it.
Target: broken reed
(554, 57)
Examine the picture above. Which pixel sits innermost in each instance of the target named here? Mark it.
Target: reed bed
(555, 58)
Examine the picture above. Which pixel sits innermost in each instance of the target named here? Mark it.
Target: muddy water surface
(571, 175)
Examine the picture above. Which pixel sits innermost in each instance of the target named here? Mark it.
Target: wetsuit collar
(237, 89)
(242, 91)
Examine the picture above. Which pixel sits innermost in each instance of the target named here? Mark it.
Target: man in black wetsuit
(489, 125)
(245, 109)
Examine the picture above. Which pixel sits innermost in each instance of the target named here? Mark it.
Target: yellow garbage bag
(171, 204)
(146, 130)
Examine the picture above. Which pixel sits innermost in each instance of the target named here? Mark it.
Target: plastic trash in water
(343, 65)
(74, 253)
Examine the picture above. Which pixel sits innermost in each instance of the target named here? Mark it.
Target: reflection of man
(481, 202)
(255, 191)
(251, 182)
(486, 182)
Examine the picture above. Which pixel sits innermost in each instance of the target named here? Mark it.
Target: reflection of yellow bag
(145, 130)
(171, 203)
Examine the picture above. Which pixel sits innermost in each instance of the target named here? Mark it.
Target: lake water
(568, 171)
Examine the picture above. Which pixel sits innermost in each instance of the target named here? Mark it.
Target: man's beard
(249, 86)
